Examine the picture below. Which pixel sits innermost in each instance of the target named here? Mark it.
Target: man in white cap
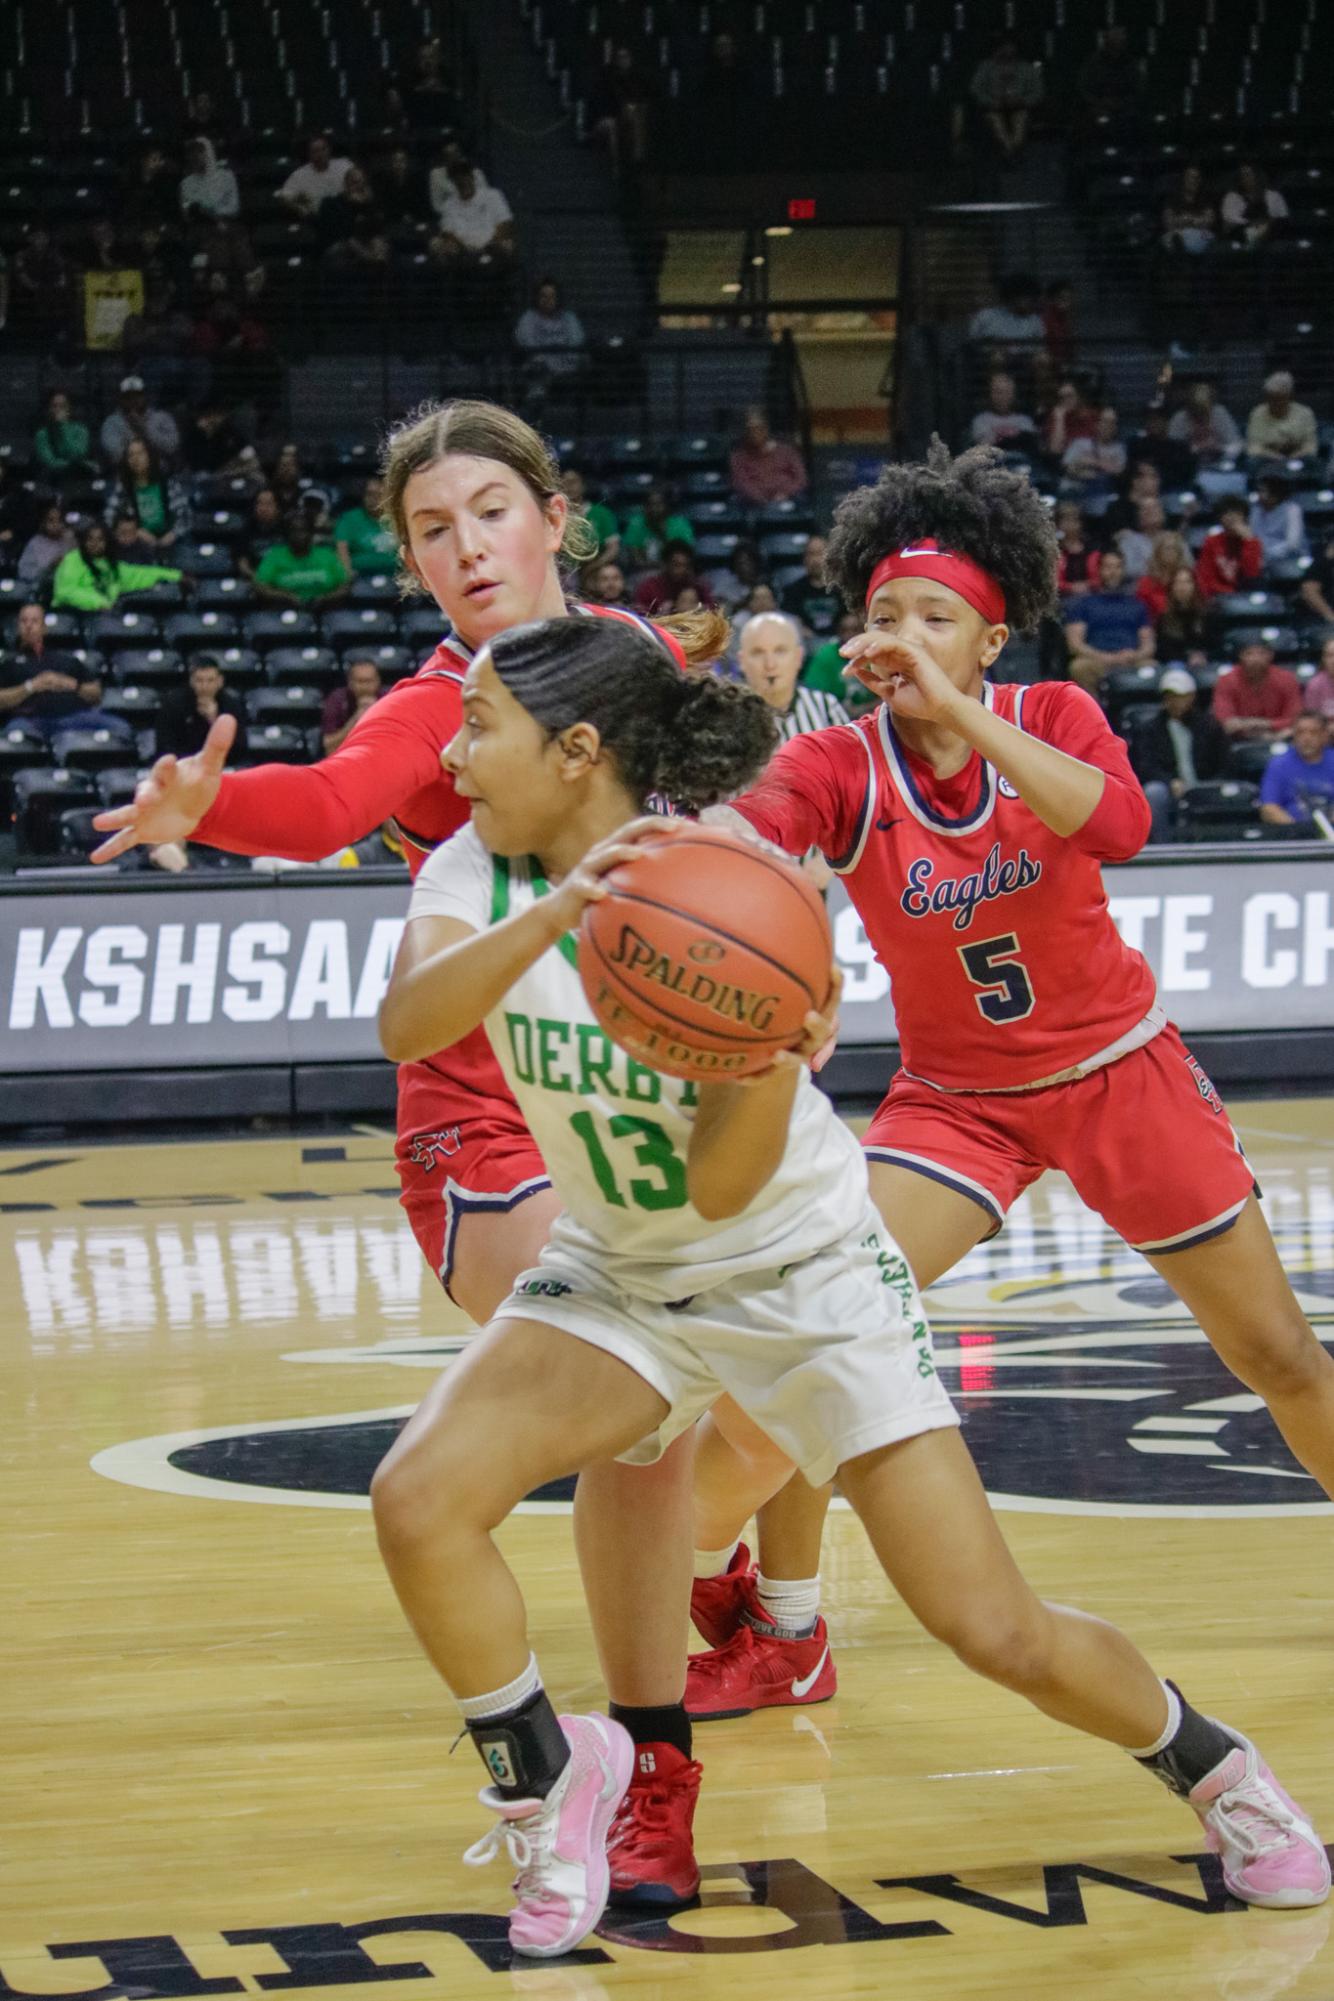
(1280, 428)
(132, 418)
(1181, 747)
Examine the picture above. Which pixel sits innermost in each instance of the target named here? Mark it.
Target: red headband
(926, 558)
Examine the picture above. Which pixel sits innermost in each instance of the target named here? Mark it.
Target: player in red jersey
(475, 500)
(969, 822)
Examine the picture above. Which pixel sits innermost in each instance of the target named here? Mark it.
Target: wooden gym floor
(227, 1766)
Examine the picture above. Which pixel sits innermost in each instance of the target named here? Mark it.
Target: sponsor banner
(107, 974)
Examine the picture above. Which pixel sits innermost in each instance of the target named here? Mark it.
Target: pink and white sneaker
(559, 1844)
(1271, 1853)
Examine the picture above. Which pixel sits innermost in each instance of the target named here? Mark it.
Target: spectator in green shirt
(366, 546)
(824, 667)
(93, 578)
(61, 446)
(598, 516)
(301, 572)
(651, 527)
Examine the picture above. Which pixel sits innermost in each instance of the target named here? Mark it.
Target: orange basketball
(707, 955)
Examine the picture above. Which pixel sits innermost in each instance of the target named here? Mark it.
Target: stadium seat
(1125, 685)
(715, 548)
(1249, 608)
(1250, 761)
(116, 786)
(394, 662)
(372, 624)
(199, 631)
(786, 547)
(137, 706)
(265, 630)
(110, 631)
(1219, 811)
(302, 666)
(278, 743)
(300, 707)
(422, 627)
(231, 594)
(21, 749)
(40, 797)
(148, 667)
(377, 590)
(90, 750)
(241, 666)
(76, 836)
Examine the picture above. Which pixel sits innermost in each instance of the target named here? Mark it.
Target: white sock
(1170, 1728)
(790, 1604)
(501, 1701)
(713, 1562)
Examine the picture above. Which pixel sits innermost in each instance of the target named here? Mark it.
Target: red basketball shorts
(1145, 1141)
(458, 1152)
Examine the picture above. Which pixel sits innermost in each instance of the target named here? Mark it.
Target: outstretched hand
(171, 801)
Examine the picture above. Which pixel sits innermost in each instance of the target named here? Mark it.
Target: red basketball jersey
(1006, 966)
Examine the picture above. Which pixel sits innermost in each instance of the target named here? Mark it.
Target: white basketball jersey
(614, 1134)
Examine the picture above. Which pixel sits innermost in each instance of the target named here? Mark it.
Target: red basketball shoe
(651, 1847)
(759, 1669)
(716, 1603)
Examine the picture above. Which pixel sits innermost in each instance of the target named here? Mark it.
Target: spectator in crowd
(345, 707)
(21, 507)
(1007, 90)
(1319, 690)
(321, 176)
(208, 188)
(762, 469)
(825, 667)
(1277, 522)
(1190, 218)
(1255, 700)
(1168, 553)
(224, 261)
(264, 527)
(1071, 416)
(476, 222)
(619, 109)
(153, 196)
(243, 368)
(366, 547)
(1151, 445)
(62, 446)
(427, 92)
(1017, 320)
(1095, 463)
(1317, 586)
(733, 585)
(201, 115)
(1181, 629)
(1137, 544)
(188, 714)
(1058, 321)
(365, 247)
(129, 544)
(93, 578)
(159, 503)
(1111, 82)
(604, 583)
(1279, 428)
(1143, 484)
(596, 513)
(1078, 566)
(1230, 556)
(336, 219)
(133, 417)
(401, 193)
(1002, 423)
(103, 250)
(213, 442)
(760, 598)
(651, 526)
(52, 540)
(288, 480)
(299, 571)
(1183, 746)
(770, 655)
(1204, 426)
(442, 181)
(51, 688)
(808, 597)
(1109, 628)
(552, 341)
(658, 591)
(42, 283)
(1251, 208)
(1299, 782)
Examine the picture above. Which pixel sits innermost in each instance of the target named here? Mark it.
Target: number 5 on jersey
(993, 964)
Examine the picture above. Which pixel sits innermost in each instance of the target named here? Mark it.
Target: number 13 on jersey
(994, 965)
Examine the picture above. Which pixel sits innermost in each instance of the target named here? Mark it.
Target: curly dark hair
(688, 737)
(975, 505)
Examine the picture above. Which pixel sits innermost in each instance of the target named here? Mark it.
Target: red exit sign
(801, 208)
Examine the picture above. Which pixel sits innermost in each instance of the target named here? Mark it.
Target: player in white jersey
(717, 1238)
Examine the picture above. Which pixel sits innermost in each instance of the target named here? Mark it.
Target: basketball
(707, 956)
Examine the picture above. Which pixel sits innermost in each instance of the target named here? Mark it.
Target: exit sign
(801, 208)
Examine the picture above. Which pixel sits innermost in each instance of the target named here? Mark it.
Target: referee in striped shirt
(770, 658)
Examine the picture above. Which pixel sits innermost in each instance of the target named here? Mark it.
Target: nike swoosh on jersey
(804, 1687)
